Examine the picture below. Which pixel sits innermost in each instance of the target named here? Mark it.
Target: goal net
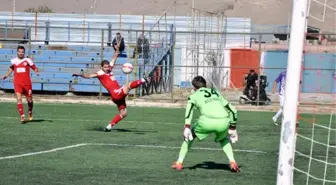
(307, 154)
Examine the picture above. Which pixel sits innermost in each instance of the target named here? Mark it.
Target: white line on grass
(43, 152)
(139, 121)
(118, 145)
(171, 147)
(97, 120)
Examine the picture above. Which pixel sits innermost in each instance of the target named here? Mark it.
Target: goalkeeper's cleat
(22, 119)
(30, 116)
(178, 166)
(234, 167)
(275, 121)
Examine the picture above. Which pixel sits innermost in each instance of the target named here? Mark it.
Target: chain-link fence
(225, 63)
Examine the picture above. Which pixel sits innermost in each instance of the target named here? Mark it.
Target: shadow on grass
(37, 121)
(209, 165)
(131, 130)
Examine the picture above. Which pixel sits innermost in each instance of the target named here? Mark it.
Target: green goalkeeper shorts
(203, 127)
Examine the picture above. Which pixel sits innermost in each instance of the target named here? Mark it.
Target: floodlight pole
(13, 12)
(288, 127)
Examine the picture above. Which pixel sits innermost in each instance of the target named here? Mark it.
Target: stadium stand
(57, 66)
(16, 33)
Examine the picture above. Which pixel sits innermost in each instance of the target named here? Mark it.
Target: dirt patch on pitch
(155, 101)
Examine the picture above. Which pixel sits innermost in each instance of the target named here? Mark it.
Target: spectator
(142, 47)
(25, 37)
(118, 43)
(251, 80)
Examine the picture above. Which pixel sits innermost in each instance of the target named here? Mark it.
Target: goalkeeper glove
(187, 133)
(233, 136)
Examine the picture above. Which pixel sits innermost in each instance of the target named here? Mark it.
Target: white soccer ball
(127, 68)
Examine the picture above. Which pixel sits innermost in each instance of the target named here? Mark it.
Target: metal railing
(170, 76)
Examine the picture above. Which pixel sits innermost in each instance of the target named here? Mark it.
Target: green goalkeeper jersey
(211, 104)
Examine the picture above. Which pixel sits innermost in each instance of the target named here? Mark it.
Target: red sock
(30, 106)
(20, 108)
(135, 84)
(116, 119)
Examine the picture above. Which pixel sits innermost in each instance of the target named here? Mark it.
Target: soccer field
(65, 144)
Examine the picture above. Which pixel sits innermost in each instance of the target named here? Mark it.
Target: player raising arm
(217, 116)
(21, 65)
(118, 93)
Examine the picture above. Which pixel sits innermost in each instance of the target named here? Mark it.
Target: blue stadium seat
(60, 58)
(51, 69)
(121, 60)
(89, 54)
(53, 75)
(63, 75)
(6, 57)
(40, 58)
(57, 67)
(7, 51)
(88, 81)
(186, 84)
(55, 87)
(108, 55)
(58, 80)
(79, 65)
(3, 57)
(7, 85)
(65, 53)
(85, 59)
(50, 64)
(88, 88)
(4, 66)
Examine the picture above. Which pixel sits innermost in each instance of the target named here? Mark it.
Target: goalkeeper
(217, 116)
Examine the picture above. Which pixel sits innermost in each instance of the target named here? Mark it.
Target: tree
(40, 9)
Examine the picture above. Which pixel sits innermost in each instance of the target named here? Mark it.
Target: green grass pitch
(142, 148)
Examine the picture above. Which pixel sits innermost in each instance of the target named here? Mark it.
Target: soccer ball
(127, 68)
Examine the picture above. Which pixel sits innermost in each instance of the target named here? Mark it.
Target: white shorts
(281, 100)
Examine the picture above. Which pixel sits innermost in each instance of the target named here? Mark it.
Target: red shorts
(121, 104)
(118, 97)
(23, 89)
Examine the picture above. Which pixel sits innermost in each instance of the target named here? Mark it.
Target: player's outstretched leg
(122, 114)
(135, 84)
(227, 148)
(30, 107)
(178, 165)
(20, 107)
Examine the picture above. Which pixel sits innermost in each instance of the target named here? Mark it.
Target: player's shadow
(209, 165)
(132, 130)
(38, 121)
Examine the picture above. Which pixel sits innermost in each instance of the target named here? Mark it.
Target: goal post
(290, 108)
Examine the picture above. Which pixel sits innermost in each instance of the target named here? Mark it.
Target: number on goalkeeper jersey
(208, 94)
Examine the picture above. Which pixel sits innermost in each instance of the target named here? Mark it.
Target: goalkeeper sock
(278, 114)
(20, 108)
(227, 148)
(136, 83)
(184, 150)
(116, 119)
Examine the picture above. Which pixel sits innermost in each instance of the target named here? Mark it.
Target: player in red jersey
(118, 93)
(21, 65)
